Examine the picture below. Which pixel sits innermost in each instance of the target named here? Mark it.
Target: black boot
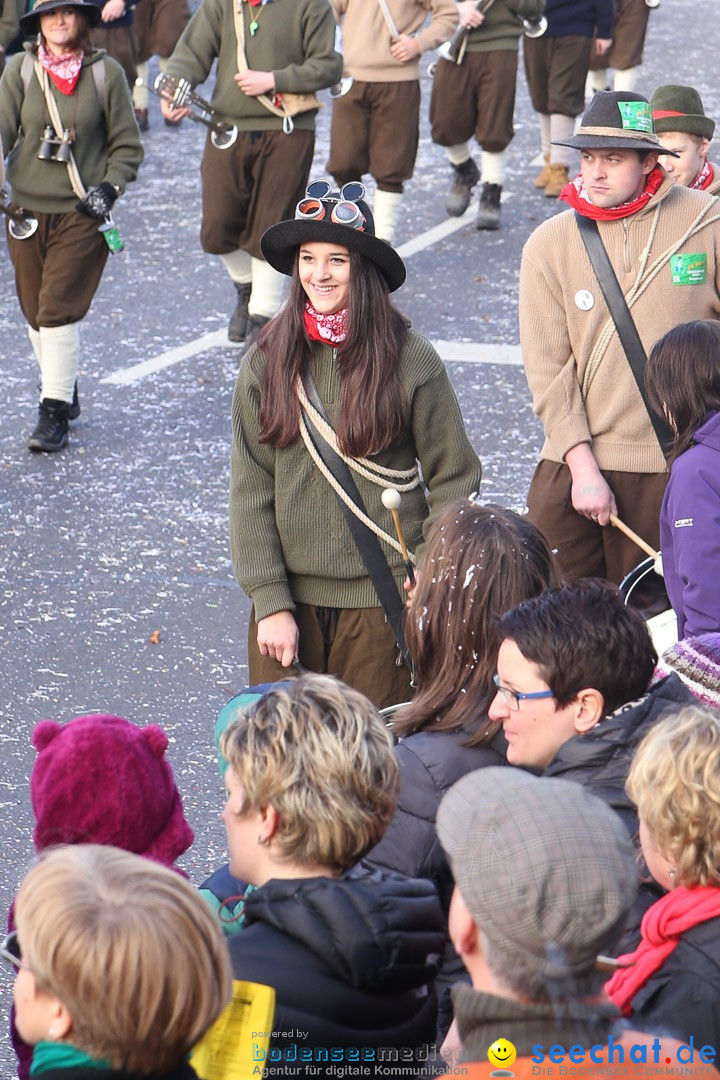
(465, 177)
(51, 431)
(74, 407)
(488, 214)
(254, 325)
(237, 327)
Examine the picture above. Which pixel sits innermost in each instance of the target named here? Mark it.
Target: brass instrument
(180, 94)
(652, 3)
(535, 27)
(22, 225)
(454, 48)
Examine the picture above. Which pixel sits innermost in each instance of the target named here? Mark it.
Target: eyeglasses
(512, 698)
(343, 209)
(10, 950)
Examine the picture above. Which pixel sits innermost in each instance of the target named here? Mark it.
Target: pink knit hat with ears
(102, 780)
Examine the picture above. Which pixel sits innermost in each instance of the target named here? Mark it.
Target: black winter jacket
(352, 961)
(682, 999)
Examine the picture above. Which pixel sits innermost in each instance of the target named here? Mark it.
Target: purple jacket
(690, 533)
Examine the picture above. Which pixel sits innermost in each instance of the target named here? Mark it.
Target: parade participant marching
(679, 116)
(556, 66)
(477, 97)
(67, 126)
(157, 28)
(389, 404)
(268, 54)
(375, 126)
(625, 53)
(602, 450)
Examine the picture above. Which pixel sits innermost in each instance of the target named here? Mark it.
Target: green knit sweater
(295, 40)
(289, 539)
(107, 145)
(500, 29)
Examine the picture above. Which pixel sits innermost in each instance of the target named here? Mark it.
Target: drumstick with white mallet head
(392, 500)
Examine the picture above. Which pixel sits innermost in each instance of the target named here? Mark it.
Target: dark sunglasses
(10, 950)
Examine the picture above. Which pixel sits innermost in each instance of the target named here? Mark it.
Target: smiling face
(502, 1053)
(324, 271)
(60, 30)
(693, 149)
(613, 177)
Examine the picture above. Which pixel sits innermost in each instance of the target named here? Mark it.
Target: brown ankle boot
(558, 178)
(542, 177)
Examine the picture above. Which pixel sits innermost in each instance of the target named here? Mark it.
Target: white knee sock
(239, 266)
(562, 127)
(544, 132)
(625, 80)
(60, 347)
(459, 154)
(267, 290)
(386, 211)
(34, 336)
(493, 167)
(596, 80)
(140, 93)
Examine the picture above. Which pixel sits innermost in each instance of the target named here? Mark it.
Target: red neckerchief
(662, 927)
(330, 329)
(704, 178)
(63, 70)
(576, 196)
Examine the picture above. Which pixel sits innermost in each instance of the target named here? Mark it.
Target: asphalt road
(124, 537)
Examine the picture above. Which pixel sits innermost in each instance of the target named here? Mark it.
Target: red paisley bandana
(63, 70)
(330, 329)
(704, 178)
(575, 195)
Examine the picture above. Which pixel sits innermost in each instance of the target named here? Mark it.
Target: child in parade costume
(120, 967)
(288, 47)
(102, 780)
(678, 115)
(389, 405)
(672, 981)
(683, 382)
(59, 266)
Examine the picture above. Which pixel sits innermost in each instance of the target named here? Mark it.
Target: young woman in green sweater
(390, 407)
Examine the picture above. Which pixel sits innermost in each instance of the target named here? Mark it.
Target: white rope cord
(641, 284)
(376, 474)
(73, 174)
(340, 491)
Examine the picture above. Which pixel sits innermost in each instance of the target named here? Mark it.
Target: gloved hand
(98, 202)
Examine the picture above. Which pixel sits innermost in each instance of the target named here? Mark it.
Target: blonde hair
(674, 780)
(320, 755)
(130, 949)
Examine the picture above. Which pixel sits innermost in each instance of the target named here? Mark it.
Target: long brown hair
(373, 407)
(682, 378)
(83, 34)
(479, 563)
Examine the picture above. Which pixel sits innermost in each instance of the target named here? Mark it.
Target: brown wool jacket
(581, 384)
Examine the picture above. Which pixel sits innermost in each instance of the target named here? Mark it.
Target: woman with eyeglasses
(120, 967)
(384, 401)
(72, 145)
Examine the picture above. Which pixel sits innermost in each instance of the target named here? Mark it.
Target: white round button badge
(584, 299)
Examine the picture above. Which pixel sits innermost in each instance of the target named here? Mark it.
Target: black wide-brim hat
(30, 22)
(279, 244)
(617, 120)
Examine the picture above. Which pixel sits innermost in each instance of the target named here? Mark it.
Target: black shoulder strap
(367, 542)
(624, 322)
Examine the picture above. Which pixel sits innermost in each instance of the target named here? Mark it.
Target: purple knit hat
(697, 662)
(102, 780)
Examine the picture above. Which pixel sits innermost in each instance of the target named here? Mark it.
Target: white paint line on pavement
(216, 339)
(474, 352)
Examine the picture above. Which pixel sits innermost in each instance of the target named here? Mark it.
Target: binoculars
(54, 149)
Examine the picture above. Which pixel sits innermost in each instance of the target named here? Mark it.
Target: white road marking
(451, 351)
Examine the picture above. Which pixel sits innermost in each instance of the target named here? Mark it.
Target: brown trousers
(58, 269)
(585, 549)
(556, 70)
(354, 644)
(119, 42)
(476, 98)
(626, 51)
(253, 185)
(375, 129)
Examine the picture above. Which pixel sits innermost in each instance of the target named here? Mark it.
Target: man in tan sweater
(375, 126)
(601, 454)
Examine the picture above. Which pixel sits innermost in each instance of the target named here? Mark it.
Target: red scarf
(576, 196)
(330, 329)
(64, 70)
(704, 178)
(662, 927)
